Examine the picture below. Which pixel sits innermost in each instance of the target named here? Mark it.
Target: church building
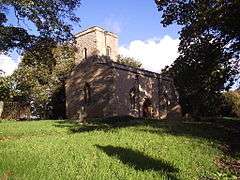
(101, 87)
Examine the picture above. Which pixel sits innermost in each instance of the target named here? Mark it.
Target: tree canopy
(130, 61)
(40, 78)
(209, 51)
(51, 19)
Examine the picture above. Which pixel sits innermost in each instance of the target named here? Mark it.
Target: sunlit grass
(60, 150)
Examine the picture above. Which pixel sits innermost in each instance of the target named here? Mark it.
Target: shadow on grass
(140, 161)
(225, 131)
(100, 124)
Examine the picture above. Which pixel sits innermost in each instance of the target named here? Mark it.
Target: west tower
(96, 41)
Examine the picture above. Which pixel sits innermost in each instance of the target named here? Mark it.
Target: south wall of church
(102, 89)
(147, 87)
(138, 91)
(95, 99)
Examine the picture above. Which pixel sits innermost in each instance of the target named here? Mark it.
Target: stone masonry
(100, 87)
(96, 41)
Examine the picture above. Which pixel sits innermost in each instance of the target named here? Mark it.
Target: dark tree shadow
(140, 161)
(100, 124)
(225, 131)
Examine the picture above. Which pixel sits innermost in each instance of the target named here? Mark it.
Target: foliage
(200, 74)
(200, 18)
(52, 146)
(40, 75)
(46, 58)
(209, 51)
(129, 61)
(51, 19)
(1, 72)
(232, 103)
(6, 88)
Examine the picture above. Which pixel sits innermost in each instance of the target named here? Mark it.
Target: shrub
(232, 103)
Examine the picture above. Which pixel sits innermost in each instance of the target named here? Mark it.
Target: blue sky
(132, 19)
(137, 22)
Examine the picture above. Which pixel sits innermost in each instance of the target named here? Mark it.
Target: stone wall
(148, 87)
(124, 81)
(169, 98)
(152, 86)
(86, 40)
(100, 80)
(96, 40)
(111, 84)
(107, 39)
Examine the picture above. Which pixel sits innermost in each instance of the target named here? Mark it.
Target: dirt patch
(231, 165)
(6, 138)
(6, 175)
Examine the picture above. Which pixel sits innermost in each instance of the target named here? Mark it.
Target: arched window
(108, 51)
(133, 97)
(147, 108)
(164, 102)
(87, 93)
(85, 53)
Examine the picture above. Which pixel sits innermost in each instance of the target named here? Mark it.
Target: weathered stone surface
(100, 79)
(96, 41)
(115, 89)
(110, 85)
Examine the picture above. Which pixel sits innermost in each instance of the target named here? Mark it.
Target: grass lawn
(119, 148)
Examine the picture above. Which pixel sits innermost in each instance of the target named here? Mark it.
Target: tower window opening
(85, 53)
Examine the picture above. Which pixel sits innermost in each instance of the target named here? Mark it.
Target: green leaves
(232, 103)
(12, 37)
(51, 19)
(39, 77)
(209, 51)
(5, 88)
(129, 61)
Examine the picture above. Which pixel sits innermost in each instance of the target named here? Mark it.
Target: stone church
(101, 87)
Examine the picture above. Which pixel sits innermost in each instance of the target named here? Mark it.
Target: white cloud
(154, 53)
(7, 64)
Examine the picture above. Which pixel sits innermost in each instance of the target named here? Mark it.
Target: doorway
(147, 108)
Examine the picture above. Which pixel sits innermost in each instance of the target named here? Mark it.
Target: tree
(218, 18)
(209, 51)
(51, 19)
(200, 75)
(1, 72)
(39, 80)
(232, 103)
(129, 61)
(5, 88)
